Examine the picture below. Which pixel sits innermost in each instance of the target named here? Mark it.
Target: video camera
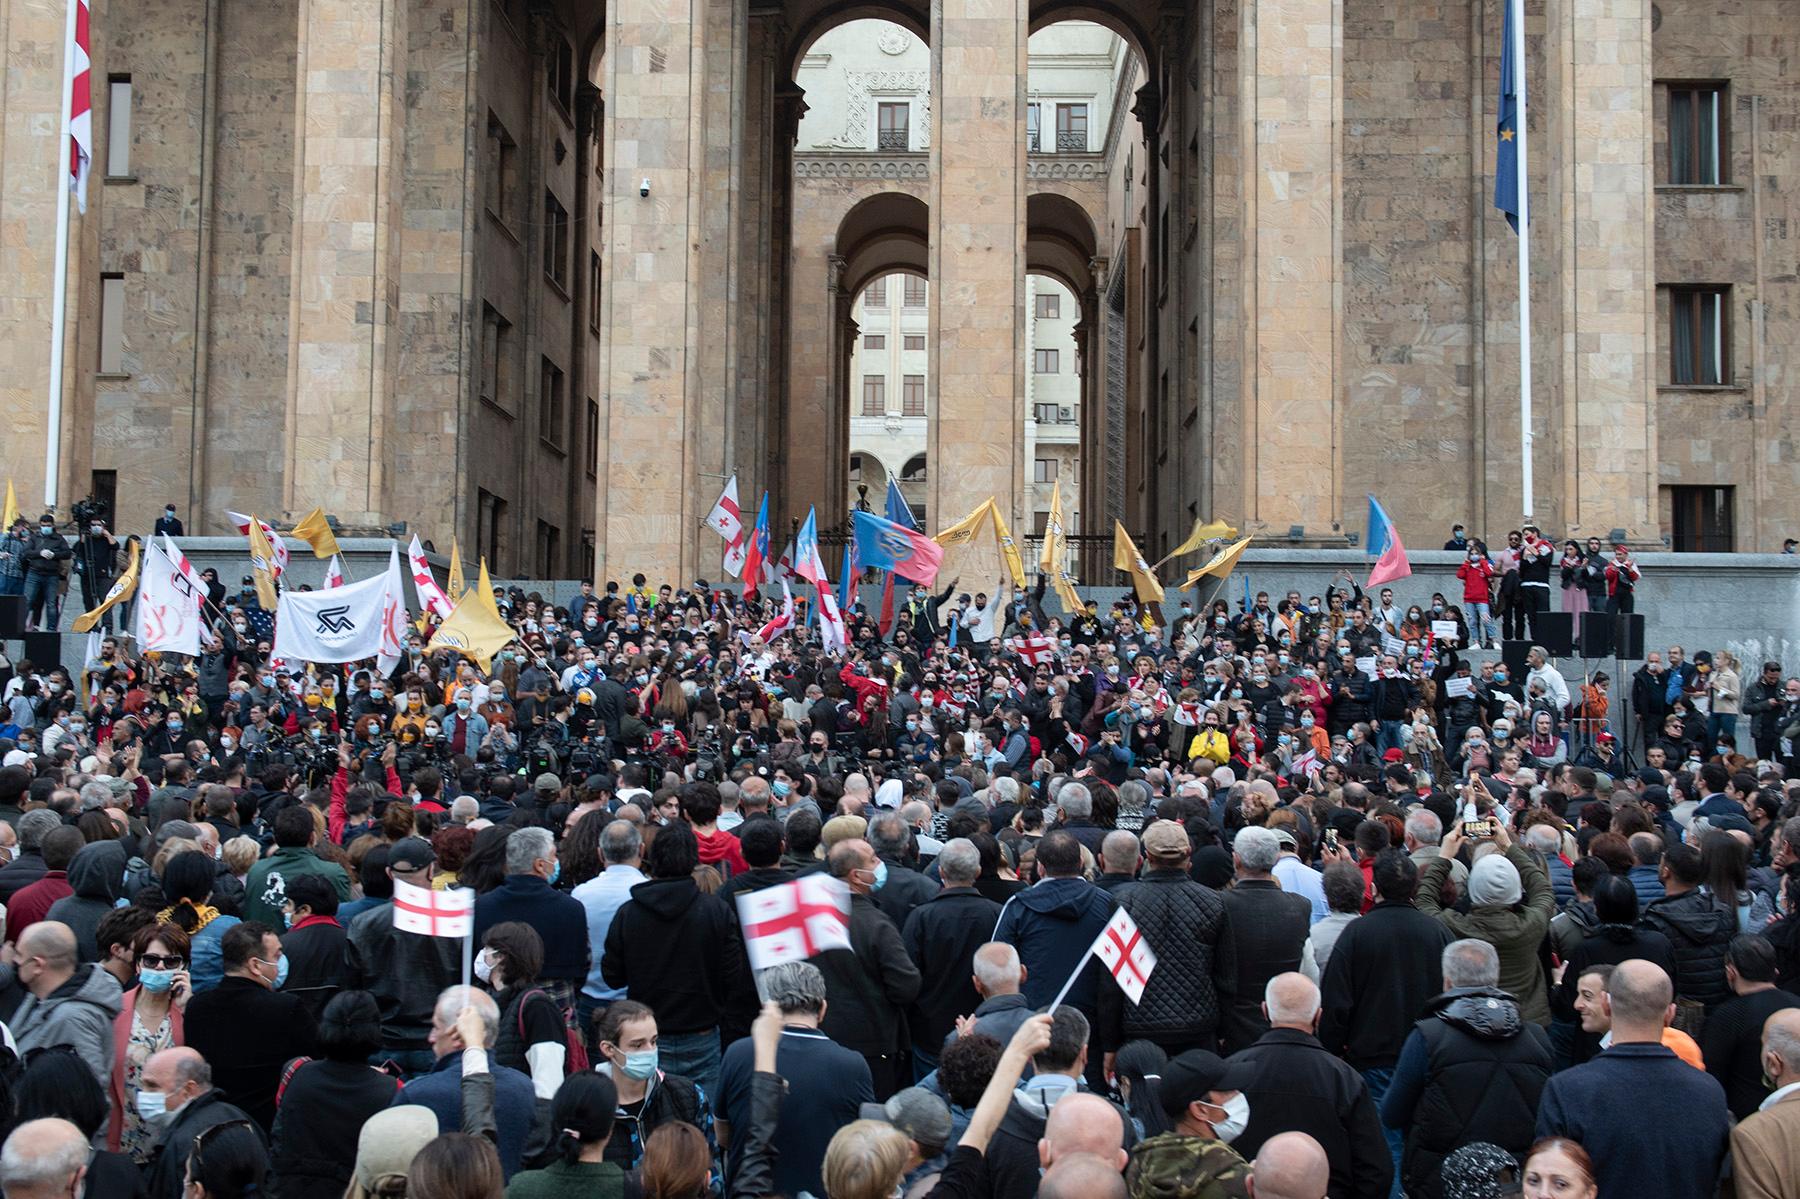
(87, 510)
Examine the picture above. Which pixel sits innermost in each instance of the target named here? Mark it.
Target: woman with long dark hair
(581, 1123)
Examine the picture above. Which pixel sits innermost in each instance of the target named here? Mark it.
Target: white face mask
(484, 966)
(1237, 1118)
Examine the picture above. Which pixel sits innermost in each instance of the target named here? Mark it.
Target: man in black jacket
(1268, 931)
(185, 1081)
(314, 942)
(1381, 971)
(1697, 925)
(869, 985)
(1763, 702)
(45, 552)
(902, 888)
(941, 937)
(404, 971)
(1299, 1087)
(246, 1028)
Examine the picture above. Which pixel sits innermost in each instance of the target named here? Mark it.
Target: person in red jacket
(1622, 575)
(700, 805)
(1477, 575)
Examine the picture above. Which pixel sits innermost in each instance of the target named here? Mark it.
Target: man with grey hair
(1268, 929)
(182, 1082)
(903, 888)
(827, 1084)
(1298, 1087)
(44, 1159)
(1472, 1069)
(463, 809)
(96, 795)
(527, 894)
(942, 936)
(28, 867)
(601, 897)
(515, 1098)
(1074, 815)
(1424, 832)
(1134, 806)
(1762, 1145)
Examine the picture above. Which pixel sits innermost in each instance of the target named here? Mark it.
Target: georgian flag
(1123, 950)
(433, 913)
(334, 573)
(794, 921)
(277, 545)
(725, 519)
(81, 110)
(1035, 648)
(431, 596)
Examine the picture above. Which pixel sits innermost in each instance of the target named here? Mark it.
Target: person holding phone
(150, 1022)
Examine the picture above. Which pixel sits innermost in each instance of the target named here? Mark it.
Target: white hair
(1004, 790)
(525, 846)
(1257, 849)
(1471, 963)
(997, 965)
(960, 862)
(41, 1154)
(1424, 827)
(452, 1000)
(1291, 999)
(1076, 801)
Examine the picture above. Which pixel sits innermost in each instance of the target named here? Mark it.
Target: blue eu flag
(1506, 163)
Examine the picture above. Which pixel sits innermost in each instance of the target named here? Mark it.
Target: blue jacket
(1052, 925)
(1607, 1104)
(1648, 884)
(515, 1104)
(558, 918)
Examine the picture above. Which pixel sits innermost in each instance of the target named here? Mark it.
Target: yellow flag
(474, 628)
(262, 558)
(456, 575)
(1204, 531)
(118, 593)
(1050, 554)
(315, 530)
(964, 530)
(12, 508)
(1220, 564)
(1127, 558)
(1009, 549)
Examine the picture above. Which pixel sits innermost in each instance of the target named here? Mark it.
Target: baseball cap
(1285, 839)
(916, 1112)
(1166, 839)
(411, 853)
(547, 782)
(1394, 755)
(601, 782)
(1190, 1076)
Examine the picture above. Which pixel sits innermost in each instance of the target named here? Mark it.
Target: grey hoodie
(97, 876)
(78, 1014)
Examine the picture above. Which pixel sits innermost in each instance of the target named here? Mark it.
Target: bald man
(44, 1159)
(1296, 1086)
(1083, 1124)
(179, 1082)
(1081, 1176)
(69, 1002)
(1763, 1153)
(1290, 1166)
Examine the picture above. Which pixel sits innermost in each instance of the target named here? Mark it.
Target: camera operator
(97, 561)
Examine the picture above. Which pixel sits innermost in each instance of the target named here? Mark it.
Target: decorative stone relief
(893, 41)
(1066, 167)
(858, 87)
(834, 166)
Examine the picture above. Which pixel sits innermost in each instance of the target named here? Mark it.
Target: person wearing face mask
(649, 1096)
(178, 1100)
(1203, 1100)
(533, 1035)
(528, 894)
(247, 1028)
(152, 1019)
(463, 728)
(45, 552)
(870, 984)
(314, 942)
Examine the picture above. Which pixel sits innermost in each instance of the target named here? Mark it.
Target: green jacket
(265, 889)
(1514, 932)
(563, 1180)
(1173, 1166)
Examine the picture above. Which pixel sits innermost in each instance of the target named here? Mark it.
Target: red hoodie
(720, 846)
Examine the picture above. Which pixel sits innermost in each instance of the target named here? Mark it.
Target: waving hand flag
(431, 596)
(807, 563)
(889, 546)
(1384, 542)
(793, 921)
(756, 549)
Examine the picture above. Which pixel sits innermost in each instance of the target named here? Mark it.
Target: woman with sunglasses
(227, 1161)
(150, 1022)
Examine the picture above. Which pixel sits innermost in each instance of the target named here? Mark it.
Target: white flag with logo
(344, 624)
(433, 913)
(168, 606)
(1125, 952)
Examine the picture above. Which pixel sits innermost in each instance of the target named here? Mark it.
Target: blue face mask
(641, 1066)
(880, 873)
(555, 873)
(780, 789)
(156, 981)
(281, 970)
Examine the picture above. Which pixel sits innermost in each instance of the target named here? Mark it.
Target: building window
(112, 324)
(118, 126)
(856, 468)
(103, 485)
(549, 550)
(1049, 306)
(1044, 414)
(1072, 128)
(1033, 125)
(913, 342)
(914, 292)
(556, 241)
(914, 472)
(1701, 520)
(1043, 362)
(875, 341)
(1697, 115)
(1699, 337)
(593, 439)
(892, 126)
(587, 554)
(496, 358)
(875, 295)
(550, 403)
(490, 520)
(1045, 470)
(594, 290)
(562, 79)
(874, 395)
(912, 396)
(502, 171)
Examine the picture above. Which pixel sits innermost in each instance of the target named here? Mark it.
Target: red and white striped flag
(794, 921)
(1125, 952)
(781, 623)
(431, 596)
(334, 573)
(433, 913)
(277, 544)
(1035, 648)
(81, 110)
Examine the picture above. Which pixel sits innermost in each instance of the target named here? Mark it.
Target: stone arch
(1120, 16)
(1060, 241)
(812, 21)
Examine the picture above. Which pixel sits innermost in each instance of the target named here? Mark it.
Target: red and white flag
(794, 921)
(1125, 952)
(334, 573)
(725, 519)
(832, 630)
(780, 624)
(433, 913)
(81, 110)
(431, 596)
(1035, 648)
(184, 568)
(277, 544)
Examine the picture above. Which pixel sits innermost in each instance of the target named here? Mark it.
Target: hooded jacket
(78, 1014)
(97, 878)
(1515, 930)
(1012, 1153)
(1699, 928)
(677, 949)
(1052, 924)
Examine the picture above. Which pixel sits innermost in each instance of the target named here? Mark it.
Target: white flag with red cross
(431, 596)
(795, 921)
(1035, 648)
(1125, 952)
(433, 913)
(725, 518)
(277, 545)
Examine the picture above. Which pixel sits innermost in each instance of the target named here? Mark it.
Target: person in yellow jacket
(412, 713)
(1210, 742)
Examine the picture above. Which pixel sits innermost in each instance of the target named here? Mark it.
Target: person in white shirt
(1556, 689)
(621, 850)
(982, 619)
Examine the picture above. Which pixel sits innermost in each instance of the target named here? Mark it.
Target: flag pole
(59, 287)
(468, 951)
(1523, 176)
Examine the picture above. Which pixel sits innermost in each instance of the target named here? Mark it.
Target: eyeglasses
(157, 961)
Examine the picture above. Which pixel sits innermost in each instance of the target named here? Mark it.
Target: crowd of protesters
(1421, 926)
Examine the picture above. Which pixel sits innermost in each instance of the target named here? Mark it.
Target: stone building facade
(540, 274)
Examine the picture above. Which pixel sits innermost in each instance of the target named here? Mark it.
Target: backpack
(574, 1048)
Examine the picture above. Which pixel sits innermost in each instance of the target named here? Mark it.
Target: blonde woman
(1725, 687)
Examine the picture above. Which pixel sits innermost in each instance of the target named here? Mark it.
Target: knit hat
(1477, 1171)
(842, 828)
(389, 1141)
(1494, 881)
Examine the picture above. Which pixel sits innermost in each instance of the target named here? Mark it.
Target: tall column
(349, 134)
(759, 251)
(1600, 235)
(977, 267)
(1292, 89)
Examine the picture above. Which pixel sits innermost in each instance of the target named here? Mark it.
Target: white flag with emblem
(168, 605)
(344, 624)
(1123, 950)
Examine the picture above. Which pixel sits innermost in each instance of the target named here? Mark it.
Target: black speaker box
(44, 649)
(1628, 636)
(12, 616)
(1556, 633)
(1513, 654)
(1597, 634)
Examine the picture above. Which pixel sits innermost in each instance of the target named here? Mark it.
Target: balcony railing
(1071, 143)
(891, 139)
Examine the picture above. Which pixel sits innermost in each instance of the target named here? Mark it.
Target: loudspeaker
(1513, 654)
(12, 616)
(1628, 636)
(1597, 634)
(44, 649)
(1556, 633)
